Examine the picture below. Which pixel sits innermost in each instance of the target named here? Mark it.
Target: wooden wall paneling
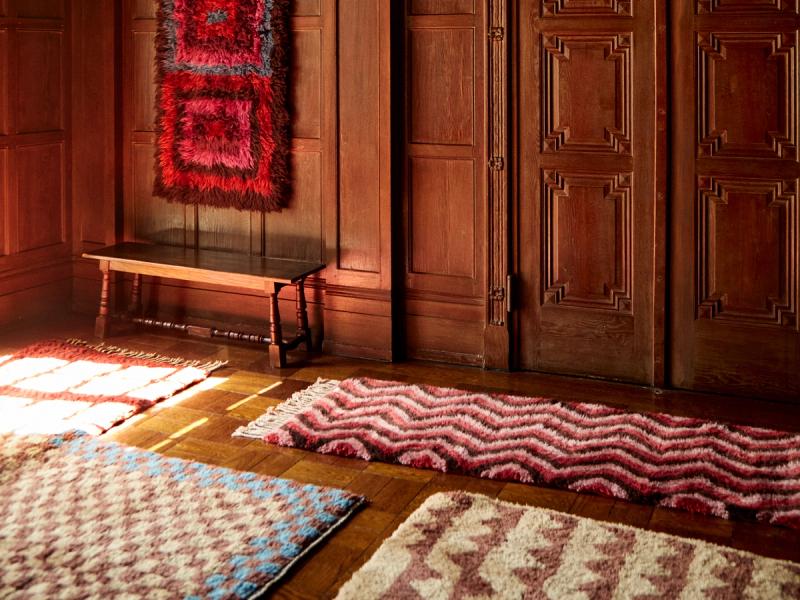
(296, 231)
(146, 218)
(40, 82)
(229, 229)
(307, 8)
(4, 80)
(144, 9)
(34, 157)
(4, 200)
(5, 197)
(358, 213)
(441, 7)
(444, 212)
(152, 218)
(588, 188)
(40, 9)
(735, 248)
(442, 234)
(360, 152)
(144, 73)
(95, 188)
(41, 188)
(96, 170)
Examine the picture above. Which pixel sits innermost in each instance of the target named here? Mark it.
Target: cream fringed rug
(459, 545)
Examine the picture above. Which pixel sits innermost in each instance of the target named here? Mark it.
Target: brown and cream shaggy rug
(459, 545)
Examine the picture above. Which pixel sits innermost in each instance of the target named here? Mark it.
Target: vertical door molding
(499, 295)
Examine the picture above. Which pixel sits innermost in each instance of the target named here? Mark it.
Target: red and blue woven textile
(222, 118)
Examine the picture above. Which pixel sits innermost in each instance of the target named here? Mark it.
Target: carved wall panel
(753, 74)
(442, 215)
(746, 7)
(40, 184)
(40, 81)
(746, 252)
(582, 71)
(587, 8)
(441, 86)
(587, 236)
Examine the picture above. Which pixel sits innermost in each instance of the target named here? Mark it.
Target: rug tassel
(208, 367)
(277, 416)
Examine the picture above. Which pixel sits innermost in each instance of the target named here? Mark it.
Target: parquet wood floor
(197, 425)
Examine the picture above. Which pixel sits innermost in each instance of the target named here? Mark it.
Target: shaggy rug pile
(724, 470)
(222, 126)
(459, 545)
(57, 386)
(84, 518)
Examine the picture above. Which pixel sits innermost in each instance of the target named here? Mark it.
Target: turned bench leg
(302, 315)
(135, 307)
(277, 350)
(102, 322)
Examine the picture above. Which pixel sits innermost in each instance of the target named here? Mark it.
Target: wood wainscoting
(35, 156)
(441, 146)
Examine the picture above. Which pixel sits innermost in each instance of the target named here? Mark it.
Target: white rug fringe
(277, 416)
(104, 348)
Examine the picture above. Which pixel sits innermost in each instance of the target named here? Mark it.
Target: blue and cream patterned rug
(86, 518)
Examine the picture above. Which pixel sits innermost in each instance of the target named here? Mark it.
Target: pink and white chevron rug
(459, 545)
(730, 471)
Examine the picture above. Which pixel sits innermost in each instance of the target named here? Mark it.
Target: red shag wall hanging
(222, 117)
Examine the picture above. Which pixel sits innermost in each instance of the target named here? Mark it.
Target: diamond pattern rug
(459, 545)
(57, 386)
(85, 518)
(730, 471)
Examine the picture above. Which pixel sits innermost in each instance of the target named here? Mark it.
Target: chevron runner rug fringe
(729, 471)
(57, 386)
(459, 545)
(85, 518)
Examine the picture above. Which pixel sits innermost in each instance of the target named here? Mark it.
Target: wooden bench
(266, 275)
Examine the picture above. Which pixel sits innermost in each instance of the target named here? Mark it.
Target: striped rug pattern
(459, 545)
(729, 471)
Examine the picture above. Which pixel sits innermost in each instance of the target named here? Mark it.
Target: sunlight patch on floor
(178, 434)
(236, 405)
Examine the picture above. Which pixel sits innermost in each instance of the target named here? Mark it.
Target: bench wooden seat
(262, 274)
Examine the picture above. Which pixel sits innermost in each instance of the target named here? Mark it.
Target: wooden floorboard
(198, 426)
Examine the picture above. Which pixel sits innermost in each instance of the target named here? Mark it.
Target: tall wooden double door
(632, 164)
(654, 188)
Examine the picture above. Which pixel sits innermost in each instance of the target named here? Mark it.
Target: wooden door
(444, 180)
(586, 95)
(735, 215)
